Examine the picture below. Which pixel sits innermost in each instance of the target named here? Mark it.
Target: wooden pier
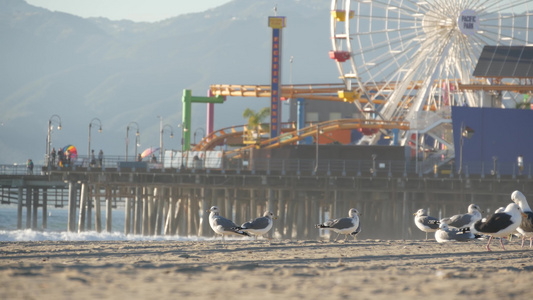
(173, 201)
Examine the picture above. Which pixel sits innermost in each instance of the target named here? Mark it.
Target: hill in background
(122, 71)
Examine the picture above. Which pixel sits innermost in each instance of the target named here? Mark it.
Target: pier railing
(19, 169)
(333, 167)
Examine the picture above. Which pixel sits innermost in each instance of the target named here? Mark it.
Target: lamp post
(466, 132)
(494, 171)
(461, 141)
(183, 130)
(317, 142)
(136, 138)
(290, 69)
(520, 163)
(162, 128)
(203, 131)
(373, 170)
(48, 139)
(89, 143)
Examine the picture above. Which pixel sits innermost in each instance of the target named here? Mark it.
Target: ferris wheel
(407, 57)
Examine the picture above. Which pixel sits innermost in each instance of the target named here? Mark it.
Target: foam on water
(57, 229)
(35, 236)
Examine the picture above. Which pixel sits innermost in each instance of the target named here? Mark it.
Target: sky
(134, 10)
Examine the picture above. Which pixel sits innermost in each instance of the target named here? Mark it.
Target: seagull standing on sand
(526, 226)
(343, 225)
(425, 222)
(446, 234)
(221, 225)
(259, 226)
(356, 232)
(464, 220)
(500, 224)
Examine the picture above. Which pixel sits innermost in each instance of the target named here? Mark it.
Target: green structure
(187, 100)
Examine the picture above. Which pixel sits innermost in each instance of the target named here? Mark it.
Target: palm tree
(255, 120)
(525, 104)
(522, 105)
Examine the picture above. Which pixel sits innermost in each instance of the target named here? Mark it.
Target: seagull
(500, 224)
(356, 232)
(221, 225)
(259, 226)
(343, 225)
(464, 220)
(500, 209)
(425, 222)
(447, 234)
(526, 226)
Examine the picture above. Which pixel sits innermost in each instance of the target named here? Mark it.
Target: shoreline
(240, 269)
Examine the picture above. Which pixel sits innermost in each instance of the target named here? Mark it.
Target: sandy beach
(247, 269)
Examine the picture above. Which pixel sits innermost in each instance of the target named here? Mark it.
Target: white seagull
(499, 209)
(425, 222)
(464, 220)
(343, 225)
(221, 225)
(446, 234)
(500, 224)
(526, 226)
(259, 226)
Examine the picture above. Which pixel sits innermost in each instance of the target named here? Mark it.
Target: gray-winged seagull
(259, 226)
(446, 234)
(500, 224)
(425, 222)
(526, 226)
(343, 225)
(221, 225)
(464, 220)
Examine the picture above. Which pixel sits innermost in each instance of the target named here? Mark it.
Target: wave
(29, 235)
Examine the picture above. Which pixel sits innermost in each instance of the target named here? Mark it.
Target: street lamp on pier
(162, 128)
(184, 129)
(317, 139)
(89, 143)
(48, 139)
(466, 132)
(137, 134)
(203, 133)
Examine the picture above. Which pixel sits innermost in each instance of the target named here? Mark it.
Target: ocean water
(57, 228)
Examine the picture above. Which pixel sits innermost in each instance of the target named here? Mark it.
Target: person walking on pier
(93, 159)
(53, 157)
(29, 166)
(60, 157)
(68, 157)
(100, 158)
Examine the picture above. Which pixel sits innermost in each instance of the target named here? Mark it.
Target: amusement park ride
(408, 62)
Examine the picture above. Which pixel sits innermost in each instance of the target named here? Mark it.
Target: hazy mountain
(121, 71)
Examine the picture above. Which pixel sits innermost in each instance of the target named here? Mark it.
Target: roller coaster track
(234, 135)
(230, 135)
(326, 91)
(315, 91)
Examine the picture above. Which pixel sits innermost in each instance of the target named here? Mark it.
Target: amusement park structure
(406, 62)
(417, 58)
